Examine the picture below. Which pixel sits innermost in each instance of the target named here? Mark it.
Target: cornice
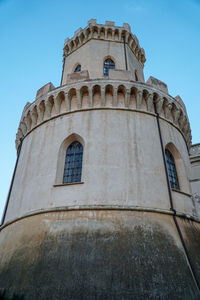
(81, 96)
(99, 207)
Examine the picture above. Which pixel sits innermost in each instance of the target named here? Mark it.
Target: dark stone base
(95, 255)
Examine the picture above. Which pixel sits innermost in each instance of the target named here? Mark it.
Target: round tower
(100, 202)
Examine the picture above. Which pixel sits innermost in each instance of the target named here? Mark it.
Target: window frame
(172, 170)
(76, 67)
(73, 167)
(61, 159)
(105, 59)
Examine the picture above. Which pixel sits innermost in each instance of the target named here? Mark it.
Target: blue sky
(32, 34)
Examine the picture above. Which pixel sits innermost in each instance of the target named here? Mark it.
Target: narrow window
(108, 64)
(77, 69)
(171, 167)
(73, 163)
(136, 75)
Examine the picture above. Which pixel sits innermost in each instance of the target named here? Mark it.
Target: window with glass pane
(78, 69)
(171, 167)
(73, 163)
(108, 64)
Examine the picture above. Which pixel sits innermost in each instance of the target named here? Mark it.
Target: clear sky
(32, 34)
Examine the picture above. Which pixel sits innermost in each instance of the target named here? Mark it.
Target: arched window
(108, 64)
(171, 167)
(136, 76)
(73, 163)
(77, 69)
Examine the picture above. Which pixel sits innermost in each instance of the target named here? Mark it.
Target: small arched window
(136, 76)
(73, 163)
(108, 64)
(77, 69)
(171, 167)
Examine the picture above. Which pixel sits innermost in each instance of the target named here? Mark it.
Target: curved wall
(122, 163)
(98, 254)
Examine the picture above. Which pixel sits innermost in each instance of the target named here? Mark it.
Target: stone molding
(107, 32)
(196, 202)
(196, 197)
(104, 94)
(99, 207)
(195, 150)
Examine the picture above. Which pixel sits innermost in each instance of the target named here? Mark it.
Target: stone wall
(98, 254)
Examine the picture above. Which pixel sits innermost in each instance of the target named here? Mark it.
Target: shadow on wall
(5, 296)
(110, 255)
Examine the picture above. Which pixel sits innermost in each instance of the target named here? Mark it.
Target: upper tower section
(103, 51)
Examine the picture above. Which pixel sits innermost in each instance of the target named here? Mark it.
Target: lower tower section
(97, 254)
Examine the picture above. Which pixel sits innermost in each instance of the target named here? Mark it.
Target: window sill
(64, 184)
(178, 191)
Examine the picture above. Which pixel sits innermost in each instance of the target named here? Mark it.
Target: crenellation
(92, 21)
(45, 89)
(110, 23)
(78, 31)
(66, 41)
(107, 32)
(41, 109)
(127, 27)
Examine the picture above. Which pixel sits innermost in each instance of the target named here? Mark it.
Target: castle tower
(100, 202)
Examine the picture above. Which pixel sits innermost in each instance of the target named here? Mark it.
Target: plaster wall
(182, 199)
(134, 64)
(195, 169)
(195, 179)
(122, 163)
(91, 56)
(94, 254)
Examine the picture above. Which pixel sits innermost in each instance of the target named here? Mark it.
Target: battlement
(107, 32)
(103, 94)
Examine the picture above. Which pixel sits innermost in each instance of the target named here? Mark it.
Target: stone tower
(100, 204)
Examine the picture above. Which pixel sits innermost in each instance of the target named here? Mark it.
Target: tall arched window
(136, 76)
(171, 167)
(73, 163)
(77, 69)
(108, 64)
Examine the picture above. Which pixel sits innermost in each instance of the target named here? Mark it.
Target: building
(104, 200)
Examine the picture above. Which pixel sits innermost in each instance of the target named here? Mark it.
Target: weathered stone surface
(95, 255)
(45, 89)
(118, 145)
(120, 75)
(191, 233)
(195, 172)
(77, 76)
(158, 84)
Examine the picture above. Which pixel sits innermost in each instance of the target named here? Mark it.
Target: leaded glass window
(73, 163)
(108, 64)
(78, 69)
(171, 167)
